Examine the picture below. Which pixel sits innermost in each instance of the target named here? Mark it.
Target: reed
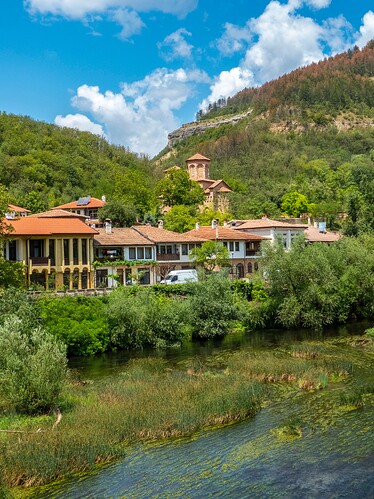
(148, 401)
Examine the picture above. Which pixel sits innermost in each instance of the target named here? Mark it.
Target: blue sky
(134, 70)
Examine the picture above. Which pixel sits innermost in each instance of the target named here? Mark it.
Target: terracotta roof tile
(157, 235)
(197, 157)
(264, 223)
(57, 213)
(313, 235)
(224, 234)
(33, 226)
(121, 237)
(93, 203)
(13, 207)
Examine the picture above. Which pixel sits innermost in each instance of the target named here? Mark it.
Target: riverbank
(151, 399)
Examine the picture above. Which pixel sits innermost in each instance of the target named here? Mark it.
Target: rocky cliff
(198, 127)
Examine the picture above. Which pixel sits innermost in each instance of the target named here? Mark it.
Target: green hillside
(43, 165)
(310, 132)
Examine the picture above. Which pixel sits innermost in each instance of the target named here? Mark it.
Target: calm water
(333, 459)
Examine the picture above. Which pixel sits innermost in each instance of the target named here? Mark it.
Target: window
(52, 252)
(169, 250)
(240, 271)
(132, 253)
(145, 276)
(184, 249)
(250, 268)
(13, 251)
(231, 245)
(225, 244)
(75, 251)
(101, 278)
(66, 252)
(36, 248)
(84, 279)
(75, 279)
(120, 276)
(140, 253)
(128, 277)
(148, 253)
(84, 252)
(236, 245)
(256, 266)
(66, 279)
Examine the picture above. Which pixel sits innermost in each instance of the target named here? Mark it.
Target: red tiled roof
(197, 157)
(121, 237)
(57, 213)
(313, 235)
(223, 234)
(264, 223)
(216, 183)
(93, 203)
(33, 226)
(157, 235)
(13, 207)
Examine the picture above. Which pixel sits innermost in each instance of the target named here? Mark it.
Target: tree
(176, 188)
(121, 214)
(180, 218)
(294, 204)
(211, 254)
(131, 188)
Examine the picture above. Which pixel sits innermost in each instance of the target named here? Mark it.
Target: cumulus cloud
(79, 9)
(234, 39)
(81, 122)
(142, 114)
(175, 46)
(130, 22)
(227, 84)
(366, 30)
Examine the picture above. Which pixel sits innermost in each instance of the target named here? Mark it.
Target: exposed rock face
(197, 127)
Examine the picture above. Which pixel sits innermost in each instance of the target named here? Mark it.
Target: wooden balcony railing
(165, 257)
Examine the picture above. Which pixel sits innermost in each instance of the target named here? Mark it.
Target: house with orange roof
(87, 206)
(56, 248)
(123, 256)
(16, 211)
(172, 249)
(271, 229)
(243, 247)
(215, 190)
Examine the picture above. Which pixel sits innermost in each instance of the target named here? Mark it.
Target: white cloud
(366, 30)
(285, 40)
(227, 84)
(234, 39)
(175, 46)
(80, 122)
(318, 4)
(143, 113)
(130, 22)
(338, 34)
(79, 9)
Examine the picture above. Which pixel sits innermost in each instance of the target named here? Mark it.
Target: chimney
(214, 223)
(108, 226)
(160, 224)
(103, 198)
(322, 227)
(197, 226)
(264, 217)
(225, 224)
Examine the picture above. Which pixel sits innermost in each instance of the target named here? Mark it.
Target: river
(333, 458)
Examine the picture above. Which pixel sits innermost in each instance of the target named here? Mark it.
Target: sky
(135, 70)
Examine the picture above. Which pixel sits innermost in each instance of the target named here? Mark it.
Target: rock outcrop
(199, 127)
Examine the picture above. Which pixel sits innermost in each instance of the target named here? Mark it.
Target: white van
(180, 277)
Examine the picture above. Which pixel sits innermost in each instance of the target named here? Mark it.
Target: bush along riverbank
(151, 400)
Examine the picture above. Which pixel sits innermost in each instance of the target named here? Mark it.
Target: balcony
(166, 257)
(109, 258)
(39, 261)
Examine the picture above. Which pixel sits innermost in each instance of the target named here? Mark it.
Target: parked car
(180, 277)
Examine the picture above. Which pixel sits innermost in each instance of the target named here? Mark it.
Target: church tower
(198, 167)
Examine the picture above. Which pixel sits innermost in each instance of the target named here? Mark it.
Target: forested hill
(43, 165)
(334, 84)
(310, 132)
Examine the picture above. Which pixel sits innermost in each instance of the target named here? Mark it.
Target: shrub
(32, 367)
(212, 307)
(143, 319)
(79, 322)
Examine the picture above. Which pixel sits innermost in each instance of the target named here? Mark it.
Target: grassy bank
(151, 401)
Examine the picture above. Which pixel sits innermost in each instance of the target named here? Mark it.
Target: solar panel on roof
(83, 201)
